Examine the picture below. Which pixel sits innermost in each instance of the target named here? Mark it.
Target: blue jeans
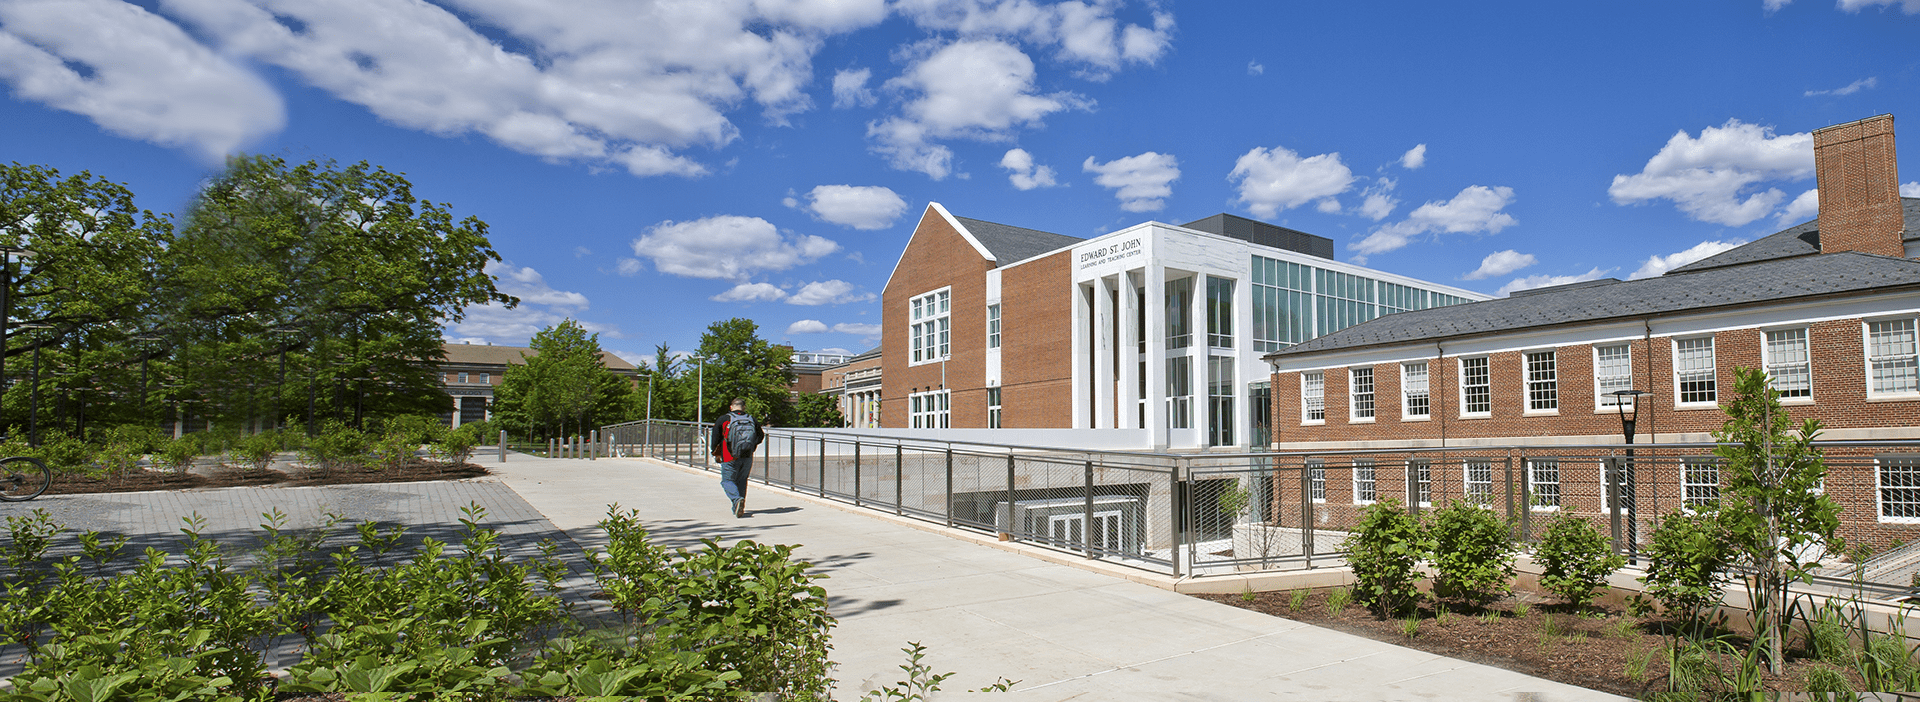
(733, 476)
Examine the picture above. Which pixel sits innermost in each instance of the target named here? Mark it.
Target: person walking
(735, 436)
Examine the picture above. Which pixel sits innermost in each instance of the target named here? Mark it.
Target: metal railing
(1199, 514)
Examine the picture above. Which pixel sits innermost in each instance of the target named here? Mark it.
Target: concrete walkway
(1065, 633)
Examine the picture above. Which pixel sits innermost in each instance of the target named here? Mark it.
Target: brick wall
(1860, 207)
(936, 257)
(1036, 353)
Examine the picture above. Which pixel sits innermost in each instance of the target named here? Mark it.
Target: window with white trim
(486, 379)
(1694, 375)
(1317, 479)
(929, 331)
(929, 410)
(1479, 481)
(993, 408)
(1219, 312)
(1897, 480)
(1364, 492)
(1476, 387)
(1612, 370)
(1892, 365)
(463, 378)
(1422, 492)
(1699, 481)
(1415, 403)
(1360, 393)
(1313, 397)
(1787, 363)
(1543, 477)
(1543, 382)
(993, 326)
(1179, 392)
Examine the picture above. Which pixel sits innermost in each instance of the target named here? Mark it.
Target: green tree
(564, 387)
(818, 411)
(741, 364)
(1772, 511)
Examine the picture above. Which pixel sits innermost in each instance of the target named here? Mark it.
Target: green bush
(337, 447)
(1575, 560)
(1687, 561)
(255, 452)
(458, 445)
(1385, 552)
(418, 428)
(64, 453)
(395, 450)
(138, 439)
(177, 455)
(1473, 553)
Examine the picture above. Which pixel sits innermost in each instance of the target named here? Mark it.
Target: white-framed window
(1543, 477)
(1179, 392)
(1415, 403)
(1787, 363)
(1364, 485)
(1317, 479)
(993, 408)
(1476, 387)
(1313, 397)
(1699, 481)
(930, 331)
(929, 410)
(1543, 382)
(1694, 375)
(1478, 478)
(1219, 312)
(463, 377)
(1612, 370)
(1897, 480)
(1360, 393)
(1892, 365)
(486, 379)
(1422, 488)
(993, 326)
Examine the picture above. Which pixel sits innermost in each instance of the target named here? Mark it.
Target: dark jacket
(720, 447)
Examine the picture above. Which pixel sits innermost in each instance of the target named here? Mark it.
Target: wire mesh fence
(1210, 514)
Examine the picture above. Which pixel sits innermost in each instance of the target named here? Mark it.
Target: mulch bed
(1589, 649)
(75, 484)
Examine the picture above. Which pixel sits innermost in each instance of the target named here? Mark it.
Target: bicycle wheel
(23, 478)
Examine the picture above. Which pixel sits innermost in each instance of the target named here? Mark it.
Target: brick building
(471, 372)
(1156, 326)
(856, 384)
(1828, 308)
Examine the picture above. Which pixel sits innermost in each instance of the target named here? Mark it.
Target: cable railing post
(1511, 517)
(1526, 498)
(856, 472)
(823, 465)
(897, 481)
(1006, 530)
(1609, 472)
(949, 499)
(793, 477)
(1086, 528)
(1173, 513)
(1306, 512)
(1413, 489)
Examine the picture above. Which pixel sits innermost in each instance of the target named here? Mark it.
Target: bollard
(503, 446)
(593, 446)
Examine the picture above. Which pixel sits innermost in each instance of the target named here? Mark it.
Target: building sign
(1110, 253)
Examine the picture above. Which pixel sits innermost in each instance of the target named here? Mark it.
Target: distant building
(807, 367)
(471, 372)
(857, 385)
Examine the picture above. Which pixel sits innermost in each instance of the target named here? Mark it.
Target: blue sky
(649, 167)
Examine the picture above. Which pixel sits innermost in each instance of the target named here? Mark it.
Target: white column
(1202, 350)
(1082, 414)
(1103, 341)
(1129, 341)
(1157, 356)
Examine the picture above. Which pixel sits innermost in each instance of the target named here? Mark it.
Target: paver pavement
(1065, 633)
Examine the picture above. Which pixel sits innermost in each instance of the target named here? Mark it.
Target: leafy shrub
(1576, 560)
(1687, 561)
(65, 453)
(395, 450)
(458, 445)
(1822, 679)
(418, 428)
(115, 459)
(337, 447)
(1473, 553)
(1385, 552)
(177, 455)
(255, 452)
(138, 438)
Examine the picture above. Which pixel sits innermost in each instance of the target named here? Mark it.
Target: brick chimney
(1859, 188)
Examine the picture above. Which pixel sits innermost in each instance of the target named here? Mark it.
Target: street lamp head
(16, 251)
(1625, 400)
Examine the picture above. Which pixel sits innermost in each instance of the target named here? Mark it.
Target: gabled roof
(1011, 244)
(1762, 283)
(1802, 239)
(489, 355)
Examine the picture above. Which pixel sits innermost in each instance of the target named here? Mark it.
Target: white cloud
(1500, 263)
(867, 330)
(1803, 208)
(1270, 181)
(1254, 68)
(629, 266)
(1414, 157)
(861, 207)
(970, 89)
(807, 326)
(726, 247)
(1086, 33)
(1910, 189)
(1476, 209)
(1545, 281)
(1378, 199)
(1024, 174)
(1712, 178)
(1143, 182)
(540, 306)
(1911, 7)
(528, 285)
(828, 292)
(139, 75)
(1851, 88)
(850, 88)
(1771, 5)
(750, 292)
(1659, 265)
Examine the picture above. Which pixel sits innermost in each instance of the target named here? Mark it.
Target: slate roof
(1762, 283)
(1802, 239)
(486, 355)
(1011, 244)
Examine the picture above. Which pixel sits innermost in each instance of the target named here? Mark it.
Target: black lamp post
(146, 340)
(33, 411)
(280, 388)
(1628, 404)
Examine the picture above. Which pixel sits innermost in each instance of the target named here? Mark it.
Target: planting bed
(76, 484)
(1528, 633)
